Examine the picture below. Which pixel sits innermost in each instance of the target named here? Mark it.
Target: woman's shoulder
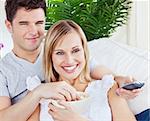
(102, 85)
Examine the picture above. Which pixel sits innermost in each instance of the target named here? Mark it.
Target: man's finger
(59, 97)
(137, 90)
(71, 90)
(66, 94)
(124, 92)
(73, 94)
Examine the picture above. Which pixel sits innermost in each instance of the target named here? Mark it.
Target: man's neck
(28, 56)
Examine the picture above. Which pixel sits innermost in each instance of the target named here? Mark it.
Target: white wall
(139, 27)
(5, 36)
(135, 33)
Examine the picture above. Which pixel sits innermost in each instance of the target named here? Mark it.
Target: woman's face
(68, 57)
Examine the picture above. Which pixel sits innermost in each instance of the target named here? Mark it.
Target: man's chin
(34, 48)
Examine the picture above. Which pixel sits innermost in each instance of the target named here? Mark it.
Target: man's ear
(8, 25)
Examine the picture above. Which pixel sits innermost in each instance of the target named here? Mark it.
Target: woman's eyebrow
(77, 46)
(58, 50)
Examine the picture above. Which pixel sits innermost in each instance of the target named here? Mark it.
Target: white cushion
(125, 60)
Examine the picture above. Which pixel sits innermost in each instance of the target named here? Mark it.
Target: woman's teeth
(69, 68)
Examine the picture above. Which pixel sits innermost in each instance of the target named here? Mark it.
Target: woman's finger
(64, 104)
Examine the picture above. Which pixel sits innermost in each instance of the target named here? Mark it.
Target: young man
(25, 21)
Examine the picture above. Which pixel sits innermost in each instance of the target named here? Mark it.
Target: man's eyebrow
(23, 22)
(40, 21)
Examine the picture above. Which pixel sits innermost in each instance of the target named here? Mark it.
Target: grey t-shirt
(14, 72)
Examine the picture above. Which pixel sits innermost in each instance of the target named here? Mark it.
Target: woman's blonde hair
(53, 37)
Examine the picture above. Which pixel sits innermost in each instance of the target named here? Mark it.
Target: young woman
(66, 59)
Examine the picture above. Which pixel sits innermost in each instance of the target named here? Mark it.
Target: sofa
(128, 61)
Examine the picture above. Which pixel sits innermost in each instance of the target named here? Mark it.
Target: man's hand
(127, 94)
(57, 90)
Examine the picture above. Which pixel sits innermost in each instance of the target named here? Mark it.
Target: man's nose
(33, 30)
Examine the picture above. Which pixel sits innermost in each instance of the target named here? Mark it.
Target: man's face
(27, 29)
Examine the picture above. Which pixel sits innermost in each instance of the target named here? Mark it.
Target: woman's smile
(70, 69)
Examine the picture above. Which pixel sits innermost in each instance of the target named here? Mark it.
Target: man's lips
(33, 40)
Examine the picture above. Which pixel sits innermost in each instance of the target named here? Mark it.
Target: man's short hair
(11, 6)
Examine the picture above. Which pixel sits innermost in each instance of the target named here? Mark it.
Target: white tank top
(99, 109)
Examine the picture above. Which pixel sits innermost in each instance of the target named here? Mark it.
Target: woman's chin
(70, 78)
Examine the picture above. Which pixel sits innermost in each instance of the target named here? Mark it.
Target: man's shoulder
(5, 61)
(5, 58)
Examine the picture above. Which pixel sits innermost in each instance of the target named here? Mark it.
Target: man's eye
(75, 50)
(23, 24)
(60, 53)
(40, 23)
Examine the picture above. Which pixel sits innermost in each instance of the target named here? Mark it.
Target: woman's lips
(70, 69)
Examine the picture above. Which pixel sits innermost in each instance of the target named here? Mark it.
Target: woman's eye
(75, 50)
(60, 53)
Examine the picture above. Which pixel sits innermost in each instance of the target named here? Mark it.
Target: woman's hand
(127, 94)
(65, 114)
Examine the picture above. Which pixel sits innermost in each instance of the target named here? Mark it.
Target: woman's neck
(77, 84)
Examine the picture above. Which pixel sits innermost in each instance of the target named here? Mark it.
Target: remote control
(133, 85)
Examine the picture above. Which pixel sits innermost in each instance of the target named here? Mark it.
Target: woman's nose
(69, 59)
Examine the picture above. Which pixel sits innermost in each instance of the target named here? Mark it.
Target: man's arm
(25, 107)
(119, 107)
(19, 111)
(99, 71)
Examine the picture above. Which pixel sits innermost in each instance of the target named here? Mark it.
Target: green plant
(98, 18)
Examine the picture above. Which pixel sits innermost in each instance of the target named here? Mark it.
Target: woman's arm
(35, 115)
(119, 106)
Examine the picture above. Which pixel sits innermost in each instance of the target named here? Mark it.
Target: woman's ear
(8, 25)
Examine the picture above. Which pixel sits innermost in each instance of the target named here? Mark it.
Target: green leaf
(98, 18)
